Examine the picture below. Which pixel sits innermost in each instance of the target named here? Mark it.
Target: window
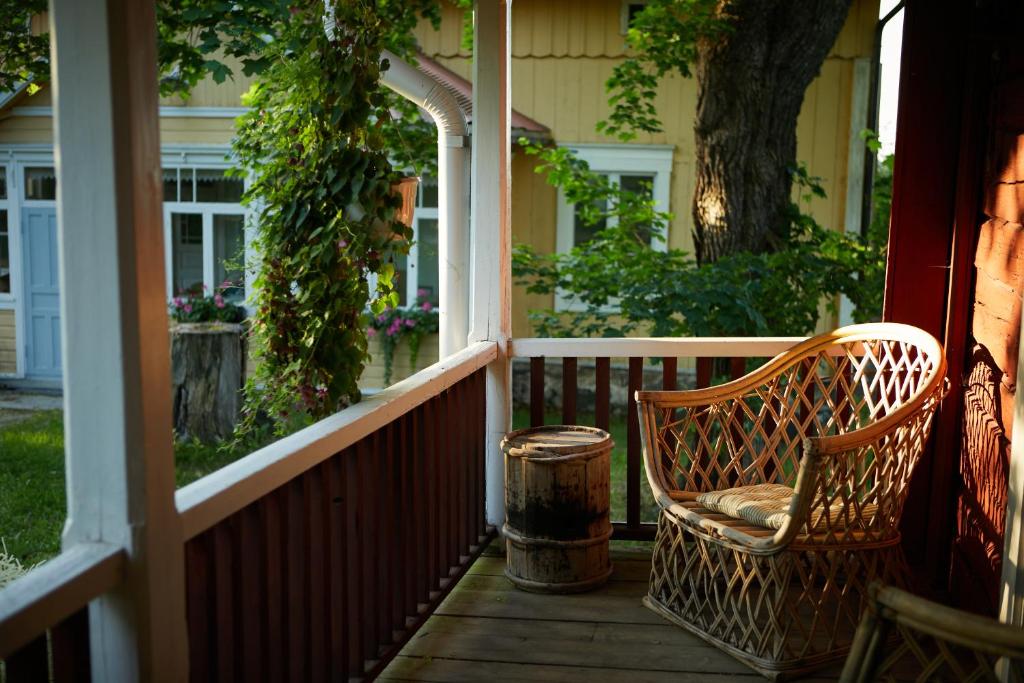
(40, 183)
(205, 238)
(628, 13)
(5, 237)
(645, 169)
(642, 169)
(418, 272)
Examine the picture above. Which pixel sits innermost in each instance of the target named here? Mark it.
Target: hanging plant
(313, 144)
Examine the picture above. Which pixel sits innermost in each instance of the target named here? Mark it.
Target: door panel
(42, 292)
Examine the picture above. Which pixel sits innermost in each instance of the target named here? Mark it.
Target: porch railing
(311, 559)
(634, 351)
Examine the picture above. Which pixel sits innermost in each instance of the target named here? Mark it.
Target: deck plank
(488, 630)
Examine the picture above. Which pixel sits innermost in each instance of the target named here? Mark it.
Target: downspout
(871, 159)
(453, 192)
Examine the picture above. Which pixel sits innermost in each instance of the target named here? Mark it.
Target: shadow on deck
(486, 630)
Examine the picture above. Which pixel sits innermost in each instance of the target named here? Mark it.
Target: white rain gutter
(453, 194)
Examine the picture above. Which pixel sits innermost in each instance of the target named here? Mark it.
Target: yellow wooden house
(562, 54)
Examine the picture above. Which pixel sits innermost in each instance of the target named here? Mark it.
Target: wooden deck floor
(486, 630)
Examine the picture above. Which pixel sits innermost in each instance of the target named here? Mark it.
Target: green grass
(32, 493)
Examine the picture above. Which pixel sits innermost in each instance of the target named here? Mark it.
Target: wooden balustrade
(44, 620)
(634, 351)
(325, 577)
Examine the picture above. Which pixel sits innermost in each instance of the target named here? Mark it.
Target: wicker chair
(781, 492)
(906, 638)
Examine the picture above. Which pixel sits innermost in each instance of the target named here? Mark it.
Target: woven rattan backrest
(753, 430)
(906, 638)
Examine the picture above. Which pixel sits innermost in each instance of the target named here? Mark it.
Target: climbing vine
(314, 146)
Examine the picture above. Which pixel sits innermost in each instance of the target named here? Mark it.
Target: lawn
(32, 495)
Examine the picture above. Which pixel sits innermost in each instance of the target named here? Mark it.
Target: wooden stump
(207, 361)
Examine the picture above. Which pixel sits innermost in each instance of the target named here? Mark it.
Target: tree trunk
(750, 87)
(207, 371)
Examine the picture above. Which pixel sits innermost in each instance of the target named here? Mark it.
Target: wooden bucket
(556, 504)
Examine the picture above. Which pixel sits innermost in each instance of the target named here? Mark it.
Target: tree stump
(207, 361)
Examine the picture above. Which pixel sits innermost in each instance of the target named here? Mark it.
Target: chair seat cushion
(763, 505)
(767, 506)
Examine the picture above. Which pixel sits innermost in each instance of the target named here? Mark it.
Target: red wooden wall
(956, 268)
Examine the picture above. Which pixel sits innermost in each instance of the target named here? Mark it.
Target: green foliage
(617, 283)
(410, 325)
(200, 37)
(24, 57)
(314, 147)
(662, 38)
(198, 307)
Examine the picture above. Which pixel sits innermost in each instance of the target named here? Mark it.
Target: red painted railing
(325, 577)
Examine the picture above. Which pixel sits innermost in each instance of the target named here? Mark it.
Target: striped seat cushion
(767, 506)
(763, 505)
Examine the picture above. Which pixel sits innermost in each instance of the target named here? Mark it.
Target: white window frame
(421, 212)
(615, 161)
(203, 157)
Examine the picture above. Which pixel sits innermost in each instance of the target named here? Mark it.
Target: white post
(491, 234)
(453, 183)
(856, 151)
(117, 411)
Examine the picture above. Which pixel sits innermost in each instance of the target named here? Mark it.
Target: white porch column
(117, 411)
(491, 233)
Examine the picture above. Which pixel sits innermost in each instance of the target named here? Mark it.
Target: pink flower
(427, 306)
(178, 302)
(371, 333)
(226, 284)
(218, 301)
(410, 323)
(188, 308)
(205, 288)
(422, 292)
(342, 244)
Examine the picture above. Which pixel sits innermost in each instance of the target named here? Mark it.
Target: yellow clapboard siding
(8, 343)
(592, 28)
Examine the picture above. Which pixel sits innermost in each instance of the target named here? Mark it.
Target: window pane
(427, 280)
(186, 184)
(213, 186)
(582, 232)
(40, 183)
(3, 182)
(5, 255)
(187, 252)
(229, 256)
(170, 184)
(642, 185)
(428, 192)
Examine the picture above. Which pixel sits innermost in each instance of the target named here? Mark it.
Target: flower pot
(405, 188)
